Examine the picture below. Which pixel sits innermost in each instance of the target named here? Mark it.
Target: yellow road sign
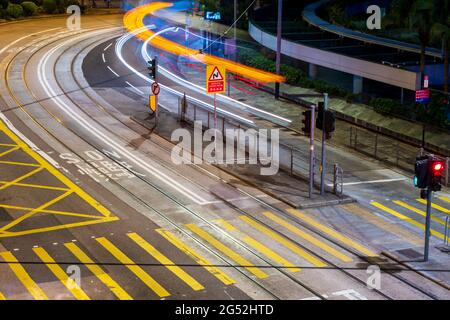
(215, 79)
(152, 102)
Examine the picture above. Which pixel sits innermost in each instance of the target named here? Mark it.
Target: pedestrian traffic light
(152, 67)
(421, 172)
(429, 172)
(436, 171)
(306, 128)
(326, 120)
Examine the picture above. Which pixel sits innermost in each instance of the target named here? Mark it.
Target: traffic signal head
(429, 172)
(436, 173)
(152, 67)
(306, 128)
(326, 120)
(421, 172)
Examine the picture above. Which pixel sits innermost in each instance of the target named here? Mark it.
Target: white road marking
(103, 57)
(11, 126)
(117, 75)
(105, 138)
(371, 182)
(107, 47)
(140, 91)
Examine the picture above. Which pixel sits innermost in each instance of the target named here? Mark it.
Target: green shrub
(29, 8)
(49, 6)
(38, 2)
(14, 10)
(3, 4)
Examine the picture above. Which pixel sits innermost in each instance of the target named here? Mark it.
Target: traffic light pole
(312, 157)
(324, 147)
(278, 59)
(427, 225)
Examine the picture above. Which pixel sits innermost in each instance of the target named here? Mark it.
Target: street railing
(292, 160)
(388, 150)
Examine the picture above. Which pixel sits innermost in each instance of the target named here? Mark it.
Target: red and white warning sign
(215, 79)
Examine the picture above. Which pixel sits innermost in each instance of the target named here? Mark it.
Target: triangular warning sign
(216, 75)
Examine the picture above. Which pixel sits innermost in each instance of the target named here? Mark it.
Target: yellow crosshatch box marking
(15, 147)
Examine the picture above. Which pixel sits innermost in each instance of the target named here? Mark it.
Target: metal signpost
(423, 97)
(215, 83)
(156, 89)
(324, 139)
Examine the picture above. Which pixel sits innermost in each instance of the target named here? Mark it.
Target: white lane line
(103, 57)
(24, 37)
(138, 90)
(107, 47)
(117, 75)
(371, 182)
(11, 126)
(105, 138)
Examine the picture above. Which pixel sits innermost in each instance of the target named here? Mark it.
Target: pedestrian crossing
(413, 212)
(124, 256)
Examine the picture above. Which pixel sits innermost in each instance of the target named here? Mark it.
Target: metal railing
(446, 231)
(292, 160)
(388, 150)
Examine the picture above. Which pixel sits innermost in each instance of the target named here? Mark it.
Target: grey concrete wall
(370, 70)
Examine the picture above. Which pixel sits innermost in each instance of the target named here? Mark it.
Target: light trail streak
(134, 20)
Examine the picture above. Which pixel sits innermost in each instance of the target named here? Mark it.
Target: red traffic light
(438, 167)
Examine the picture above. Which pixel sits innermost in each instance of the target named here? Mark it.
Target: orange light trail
(134, 19)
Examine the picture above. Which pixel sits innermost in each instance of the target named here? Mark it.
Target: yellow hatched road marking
(180, 273)
(68, 282)
(23, 276)
(196, 257)
(227, 251)
(53, 171)
(29, 174)
(446, 199)
(135, 269)
(435, 206)
(9, 151)
(308, 237)
(32, 212)
(418, 211)
(37, 186)
(23, 164)
(7, 145)
(98, 272)
(65, 213)
(260, 247)
(41, 163)
(285, 242)
(338, 236)
(2, 296)
(405, 218)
